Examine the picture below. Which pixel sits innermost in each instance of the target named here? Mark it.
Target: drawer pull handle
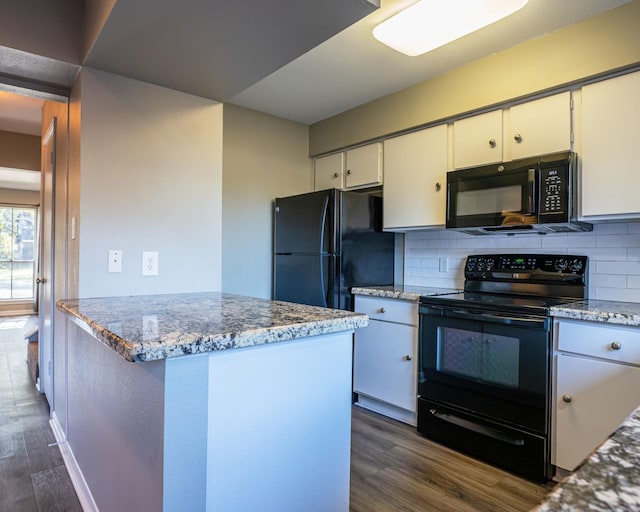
(407, 358)
(567, 398)
(616, 346)
(382, 310)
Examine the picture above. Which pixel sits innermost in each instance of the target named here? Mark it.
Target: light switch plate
(115, 261)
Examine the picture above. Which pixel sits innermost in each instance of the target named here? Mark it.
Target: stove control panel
(522, 266)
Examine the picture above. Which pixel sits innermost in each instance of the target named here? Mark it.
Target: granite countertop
(152, 327)
(608, 480)
(404, 292)
(612, 312)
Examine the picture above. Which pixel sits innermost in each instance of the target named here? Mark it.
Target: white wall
(613, 250)
(263, 157)
(150, 180)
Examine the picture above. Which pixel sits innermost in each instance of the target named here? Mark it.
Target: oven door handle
(510, 320)
(476, 427)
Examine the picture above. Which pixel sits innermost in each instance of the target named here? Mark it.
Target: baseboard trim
(77, 478)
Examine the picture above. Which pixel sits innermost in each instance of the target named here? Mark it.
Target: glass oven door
(492, 364)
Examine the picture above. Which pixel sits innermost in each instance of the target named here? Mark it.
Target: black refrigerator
(327, 242)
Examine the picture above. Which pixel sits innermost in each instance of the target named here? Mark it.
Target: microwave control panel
(553, 191)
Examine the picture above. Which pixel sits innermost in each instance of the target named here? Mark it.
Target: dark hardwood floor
(32, 473)
(395, 469)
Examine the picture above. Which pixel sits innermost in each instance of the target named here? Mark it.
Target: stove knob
(471, 264)
(561, 264)
(575, 265)
(489, 264)
(480, 263)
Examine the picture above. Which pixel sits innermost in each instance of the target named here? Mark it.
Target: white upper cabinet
(363, 166)
(477, 140)
(329, 171)
(538, 127)
(533, 128)
(415, 179)
(610, 175)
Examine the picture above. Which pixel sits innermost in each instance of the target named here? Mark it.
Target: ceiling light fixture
(429, 24)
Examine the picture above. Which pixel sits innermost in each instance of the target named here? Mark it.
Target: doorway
(28, 219)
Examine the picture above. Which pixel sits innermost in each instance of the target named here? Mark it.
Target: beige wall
(19, 151)
(150, 180)
(13, 196)
(263, 157)
(590, 48)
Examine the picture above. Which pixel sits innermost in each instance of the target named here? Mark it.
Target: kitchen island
(207, 401)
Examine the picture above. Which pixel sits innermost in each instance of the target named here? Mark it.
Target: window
(17, 252)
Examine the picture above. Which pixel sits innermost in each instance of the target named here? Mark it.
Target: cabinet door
(329, 171)
(364, 166)
(415, 179)
(539, 127)
(610, 178)
(601, 394)
(384, 363)
(478, 140)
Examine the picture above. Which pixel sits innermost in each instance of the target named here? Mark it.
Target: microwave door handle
(532, 193)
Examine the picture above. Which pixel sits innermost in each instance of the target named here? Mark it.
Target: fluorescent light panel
(429, 24)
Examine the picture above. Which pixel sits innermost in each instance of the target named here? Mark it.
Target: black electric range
(484, 371)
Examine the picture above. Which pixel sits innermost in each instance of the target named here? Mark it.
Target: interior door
(45, 263)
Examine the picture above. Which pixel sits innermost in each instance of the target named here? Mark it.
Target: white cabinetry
(384, 359)
(477, 140)
(610, 178)
(352, 169)
(538, 127)
(329, 171)
(364, 166)
(533, 128)
(597, 377)
(415, 179)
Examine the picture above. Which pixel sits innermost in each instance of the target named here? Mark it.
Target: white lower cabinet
(384, 359)
(597, 378)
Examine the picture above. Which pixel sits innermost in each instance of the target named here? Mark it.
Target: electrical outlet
(149, 327)
(150, 263)
(444, 264)
(115, 261)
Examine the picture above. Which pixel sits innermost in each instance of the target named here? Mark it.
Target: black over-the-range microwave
(528, 195)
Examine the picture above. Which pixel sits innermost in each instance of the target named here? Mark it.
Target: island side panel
(115, 424)
(280, 426)
(185, 433)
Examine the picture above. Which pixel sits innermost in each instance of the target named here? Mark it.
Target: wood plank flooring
(32, 473)
(395, 469)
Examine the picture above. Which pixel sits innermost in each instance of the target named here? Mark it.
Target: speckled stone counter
(147, 328)
(622, 313)
(609, 480)
(255, 415)
(402, 292)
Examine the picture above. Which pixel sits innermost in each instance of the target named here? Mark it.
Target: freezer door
(305, 223)
(304, 278)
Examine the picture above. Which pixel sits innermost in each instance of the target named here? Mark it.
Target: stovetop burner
(530, 283)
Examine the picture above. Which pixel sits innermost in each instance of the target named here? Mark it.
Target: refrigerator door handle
(323, 289)
(323, 222)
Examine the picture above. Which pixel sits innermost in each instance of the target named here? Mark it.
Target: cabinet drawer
(617, 343)
(390, 310)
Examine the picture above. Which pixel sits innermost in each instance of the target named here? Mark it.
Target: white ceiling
(347, 70)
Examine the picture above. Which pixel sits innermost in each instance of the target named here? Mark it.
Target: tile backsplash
(613, 250)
